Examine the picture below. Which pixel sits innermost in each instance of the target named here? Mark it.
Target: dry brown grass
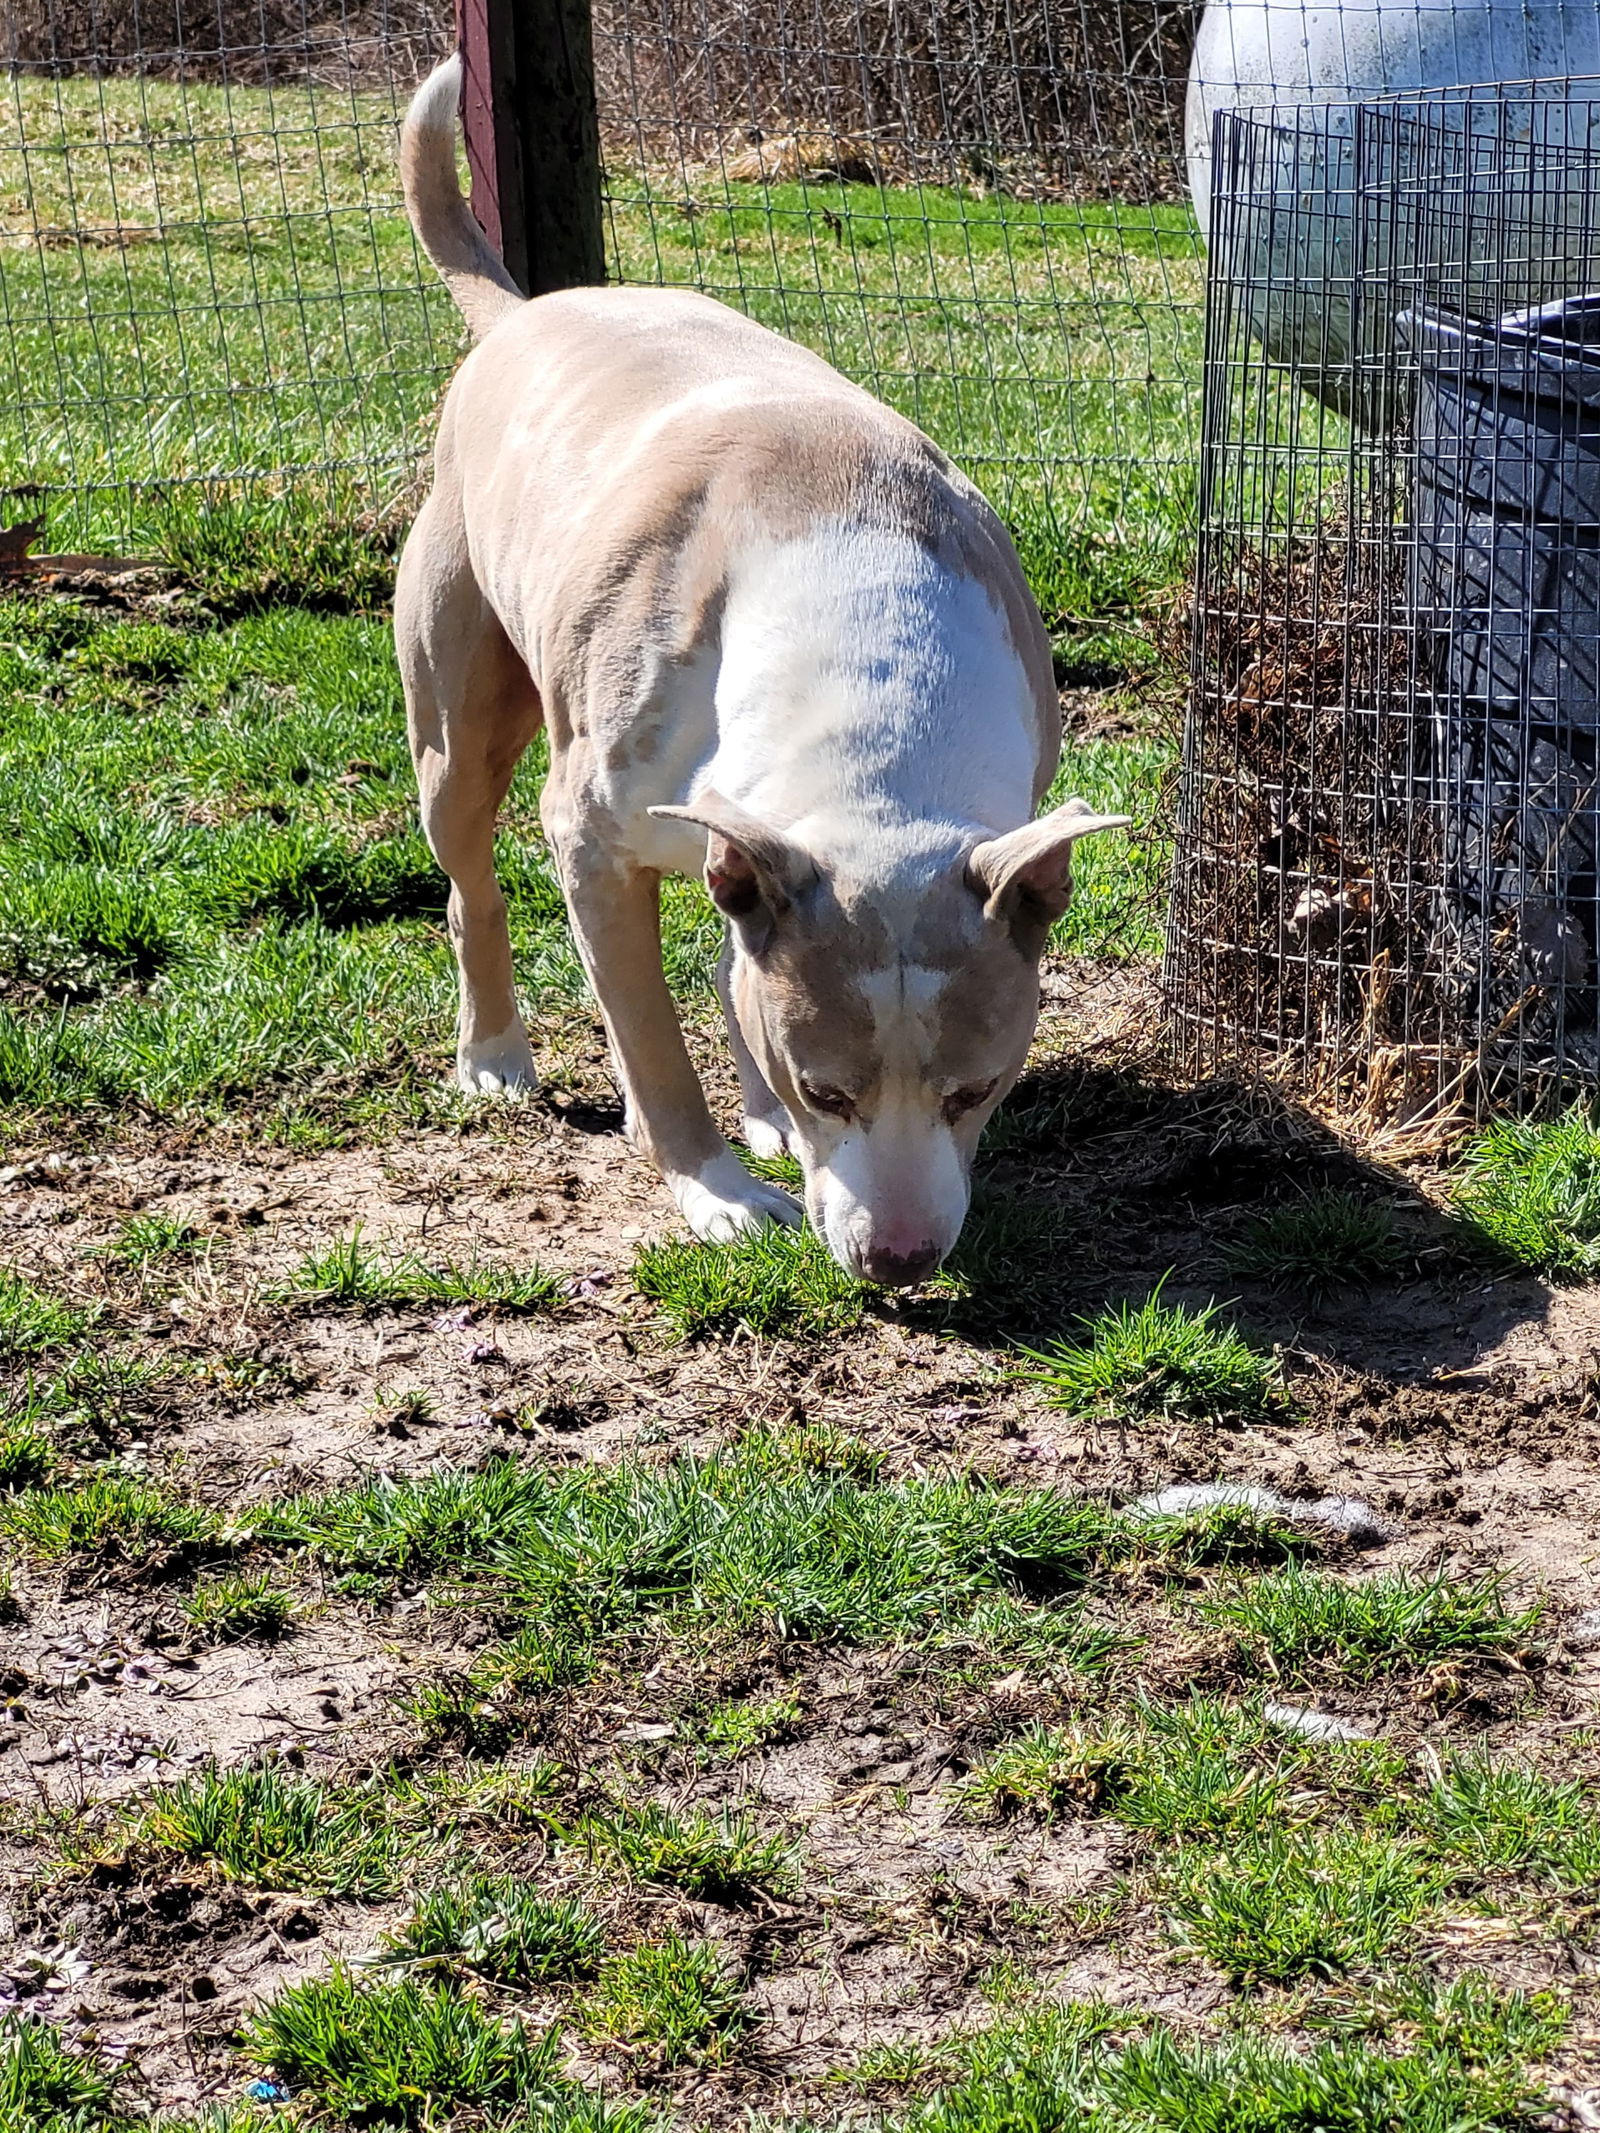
(1309, 861)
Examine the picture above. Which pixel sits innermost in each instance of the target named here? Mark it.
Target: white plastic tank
(1292, 237)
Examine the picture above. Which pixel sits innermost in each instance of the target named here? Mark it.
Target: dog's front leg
(616, 920)
(766, 1123)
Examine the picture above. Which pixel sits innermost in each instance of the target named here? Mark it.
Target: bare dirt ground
(1464, 1409)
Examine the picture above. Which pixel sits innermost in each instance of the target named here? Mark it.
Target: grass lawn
(470, 1658)
(246, 297)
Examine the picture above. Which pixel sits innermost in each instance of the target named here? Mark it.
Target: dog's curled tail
(445, 227)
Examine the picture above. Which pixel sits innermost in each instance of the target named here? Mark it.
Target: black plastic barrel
(1505, 587)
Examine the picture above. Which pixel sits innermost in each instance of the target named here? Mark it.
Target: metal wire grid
(206, 275)
(977, 212)
(1385, 872)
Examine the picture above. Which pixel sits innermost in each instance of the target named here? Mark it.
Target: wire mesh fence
(979, 213)
(206, 277)
(1386, 866)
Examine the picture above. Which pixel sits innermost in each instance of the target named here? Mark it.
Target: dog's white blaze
(860, 676)
(896, 1186)
(899, 991)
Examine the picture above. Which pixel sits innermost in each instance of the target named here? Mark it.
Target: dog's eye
(833, 1102)
(960, 1101)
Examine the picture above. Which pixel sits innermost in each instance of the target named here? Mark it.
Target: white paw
(767, 1137)
(498, 1066)
(725, 1202)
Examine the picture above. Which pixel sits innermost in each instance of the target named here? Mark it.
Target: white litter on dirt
(1315, 1725)
(1584, 1632)
(1336, 1514)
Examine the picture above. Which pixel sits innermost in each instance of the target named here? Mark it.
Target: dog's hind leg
(766, 1122)
(616, 918)
(472, 710)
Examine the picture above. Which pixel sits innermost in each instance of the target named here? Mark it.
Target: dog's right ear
(751, 870)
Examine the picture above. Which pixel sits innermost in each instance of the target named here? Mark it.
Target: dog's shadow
(1095, 1185)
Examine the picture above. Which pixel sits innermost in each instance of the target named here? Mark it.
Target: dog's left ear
(1025, 877)
(751, 869)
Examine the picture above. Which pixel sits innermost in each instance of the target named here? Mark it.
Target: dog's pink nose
(898, 1270)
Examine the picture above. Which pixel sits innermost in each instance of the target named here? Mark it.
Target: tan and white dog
(775, 636)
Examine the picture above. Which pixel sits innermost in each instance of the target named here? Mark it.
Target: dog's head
(888, 1017)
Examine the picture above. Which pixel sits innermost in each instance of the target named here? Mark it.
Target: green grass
(1203, 1769)
(398, 2053)
(350, 1272)
(1277, 1905)
(492, 1702)
(760, 1536)
(1531, 1194)
(1076, 2069)
(268, 1829)
(1306, 1622)
(779, 1281)
(1049, 1770)
(499, 1928)
(737, 1729)
(27, 1458)
(47, 2087)
(1325, 1241)
(238, 1608)
(1503, 1818)
(715, 1858)
(671, 2001)
(143, 1239)
(106, 1514)
(1158, 1359)
(32, 1319)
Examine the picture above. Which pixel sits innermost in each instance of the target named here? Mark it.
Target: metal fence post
(533, 137)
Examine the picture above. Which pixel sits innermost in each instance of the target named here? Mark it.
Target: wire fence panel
(1387, 866)
(206, 278)
(978, 213)
(206, 275)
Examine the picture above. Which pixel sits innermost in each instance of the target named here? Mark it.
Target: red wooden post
(533, 137)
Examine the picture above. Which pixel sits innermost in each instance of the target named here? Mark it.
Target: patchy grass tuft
(1069, 2069)
(143, 1239)
(487, 1706)
(735, 1729)
(45, 2087)
(1305, 1619)
(1325, 1241)
(32, 1319)
(760, 1536)
(779, 1281)
(1531, 1192)
(1275, 1905)
(239, 1608)
(498, 1927)
(1051, 1770)
(721, 1858)
(672, 2001)
(1158, 1359)
(398, 2053)
(107, 1512)
(27, 1458)
(266, 1829)
(353, 1273)
(1504, 1818)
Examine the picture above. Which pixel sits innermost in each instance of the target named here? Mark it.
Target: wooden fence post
(533, 137)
